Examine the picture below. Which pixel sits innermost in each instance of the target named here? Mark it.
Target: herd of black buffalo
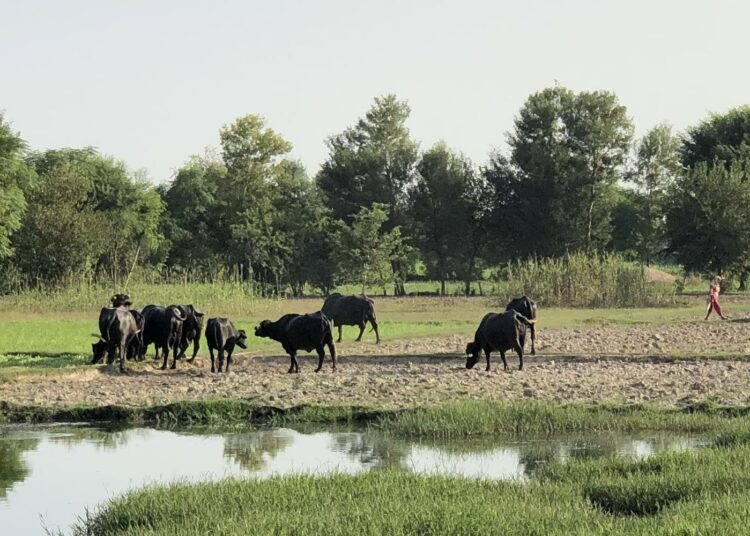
(127, 333)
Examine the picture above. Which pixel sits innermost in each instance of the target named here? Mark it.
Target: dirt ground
(600, 364)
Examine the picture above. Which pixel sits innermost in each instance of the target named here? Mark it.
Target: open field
(703, 492)
(665, 356)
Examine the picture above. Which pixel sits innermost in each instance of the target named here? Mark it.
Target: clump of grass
(587, 280)
(701, 492)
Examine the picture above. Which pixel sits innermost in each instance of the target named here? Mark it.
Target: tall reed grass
(583, 280)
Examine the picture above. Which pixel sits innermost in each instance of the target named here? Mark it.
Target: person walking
(713, 298)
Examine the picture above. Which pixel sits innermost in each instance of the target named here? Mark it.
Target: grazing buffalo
(163, 329)
(221, 335)
(498, 332)
(351, 311)
(301, 332)
(191, 330)
(117, 329)
(527, 308)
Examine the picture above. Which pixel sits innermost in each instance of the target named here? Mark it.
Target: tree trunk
(743, 280)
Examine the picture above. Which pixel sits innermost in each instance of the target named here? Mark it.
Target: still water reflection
(48, 475)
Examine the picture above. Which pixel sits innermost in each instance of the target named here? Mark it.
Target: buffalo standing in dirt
(351, 311)
(301, 332)
(498, 332)
(135, 349)
(527, 307)
(163, 329)
(222, 336)
(117, 329)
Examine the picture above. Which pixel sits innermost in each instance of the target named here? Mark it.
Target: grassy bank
(456, 420)
(703, 492)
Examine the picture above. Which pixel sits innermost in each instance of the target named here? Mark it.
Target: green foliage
(369, 251)
(581, 280)
(371, 162)
(15, 177)
(723, 137)
(708, 224)
(656, 168)
(567, 151)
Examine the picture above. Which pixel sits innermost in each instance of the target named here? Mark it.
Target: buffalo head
(121, 300)
(472, 354)
(242, 339)
(98, 349)
(263, 329)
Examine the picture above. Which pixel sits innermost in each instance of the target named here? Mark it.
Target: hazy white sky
(152, 81)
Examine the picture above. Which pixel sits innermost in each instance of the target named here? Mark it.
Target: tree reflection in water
(248, 449)
(12, 467)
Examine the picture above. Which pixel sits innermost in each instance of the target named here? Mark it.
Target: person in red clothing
(713, 298)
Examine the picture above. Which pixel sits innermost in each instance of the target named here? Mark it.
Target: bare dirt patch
(599, 364)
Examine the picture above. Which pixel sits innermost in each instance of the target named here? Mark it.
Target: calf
(301, 332)
(221, 335)
(163, 329)
(351, 311)
(526, 307)
(117, 329)
(498, 332)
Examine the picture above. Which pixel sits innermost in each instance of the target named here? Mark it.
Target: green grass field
(702, 492)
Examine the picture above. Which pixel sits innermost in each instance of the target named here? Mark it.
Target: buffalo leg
(533, 337)
(321, 356)
(519, 351)
(165, 355)
(123, 350)
(211, 353)
(221, 359)
(229, 359)
(487, 353)
(332, 351)
(196, 347)
(175, 352)
(505, 363)
(375, 329)
(339, 333)
(294, 367)
(361, 331)
(156, 352)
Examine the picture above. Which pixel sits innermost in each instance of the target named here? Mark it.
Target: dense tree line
(381, 210)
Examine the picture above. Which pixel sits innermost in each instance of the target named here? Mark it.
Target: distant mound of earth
(657, 276)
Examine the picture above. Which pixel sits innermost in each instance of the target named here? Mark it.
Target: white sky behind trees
(152, 81)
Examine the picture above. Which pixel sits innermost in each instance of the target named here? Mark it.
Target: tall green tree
(251, 152)
(724, 137)
(708, 223)
(567, 151)
(15, 178)
(191, 221)
(62, 235)
(130, 205)
(656, 167)
(372, 162)
(369, 250)
(439, 215)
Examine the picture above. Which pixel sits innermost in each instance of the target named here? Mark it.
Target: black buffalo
(135, 350)
(498, 332)
(351, 311)
(192, 327)
(527, 307)
(222, 336)
(163, 329)
(117, 330)
(301, 332)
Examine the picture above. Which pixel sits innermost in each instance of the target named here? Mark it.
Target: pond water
(50, 475)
